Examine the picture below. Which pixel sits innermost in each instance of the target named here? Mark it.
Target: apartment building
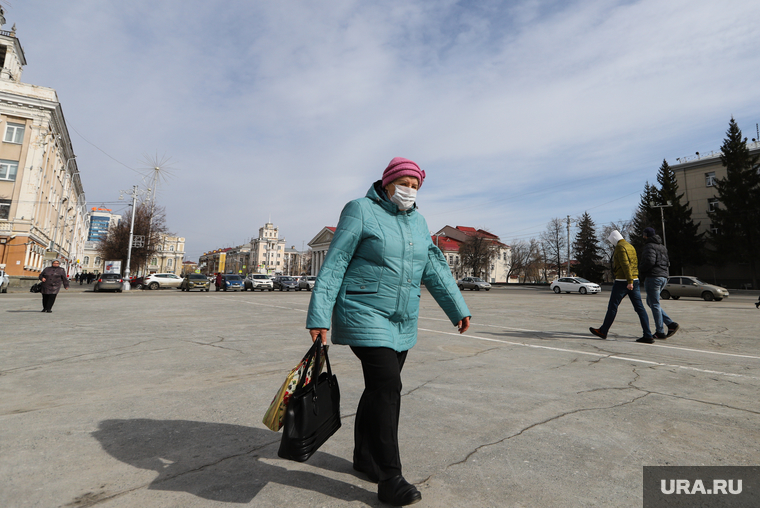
(43, 213)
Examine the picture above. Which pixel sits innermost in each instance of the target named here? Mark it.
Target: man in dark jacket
(653, 268)
(52, 277)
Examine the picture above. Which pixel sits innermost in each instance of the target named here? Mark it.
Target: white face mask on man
(404, 197)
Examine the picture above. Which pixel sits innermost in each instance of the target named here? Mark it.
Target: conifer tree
(645, 216)
(587, 250)
(685, 244)
(736, 220)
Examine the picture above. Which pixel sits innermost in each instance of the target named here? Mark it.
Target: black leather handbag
(36, 288)
(313, 412)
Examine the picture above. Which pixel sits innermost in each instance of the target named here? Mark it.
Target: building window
(171, 248)
(5, 208)
(712, 204)
(8, 170)
(154, 261)
(713, 230)
(14, 133)
(97, 262)
(169, 263)
(710, 179)
(87, 261)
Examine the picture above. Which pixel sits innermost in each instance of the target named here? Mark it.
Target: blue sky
(519, 111)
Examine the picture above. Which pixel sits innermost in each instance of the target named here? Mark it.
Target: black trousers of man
(48, 301)
(376, 424)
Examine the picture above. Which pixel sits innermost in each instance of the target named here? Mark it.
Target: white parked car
(258, 281)
(573, 284)
(4, 281)
(162, 280)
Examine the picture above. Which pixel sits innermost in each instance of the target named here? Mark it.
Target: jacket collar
(377, 194)
(654, 239)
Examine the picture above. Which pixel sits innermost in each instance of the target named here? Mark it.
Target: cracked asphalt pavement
(155, 399)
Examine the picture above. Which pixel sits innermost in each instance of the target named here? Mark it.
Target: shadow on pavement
(216, 461)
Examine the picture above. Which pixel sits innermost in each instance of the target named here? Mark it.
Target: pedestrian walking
(76, 277)
(368, 291)
(625, 268)
(653, 270)
(757, 303)
(82, 276)
(52, 277)
(219, 281)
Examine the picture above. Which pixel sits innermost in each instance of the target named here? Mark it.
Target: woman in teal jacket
(368, 294)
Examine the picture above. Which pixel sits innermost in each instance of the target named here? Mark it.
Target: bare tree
(476, 254)
(116, 244)
(554, 241)
(521, 255)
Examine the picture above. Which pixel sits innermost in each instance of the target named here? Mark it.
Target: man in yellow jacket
(625, 266)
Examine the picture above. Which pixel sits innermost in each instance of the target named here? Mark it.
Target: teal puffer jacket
(369, 284)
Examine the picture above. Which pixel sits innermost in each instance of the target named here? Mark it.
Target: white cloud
(519, 112)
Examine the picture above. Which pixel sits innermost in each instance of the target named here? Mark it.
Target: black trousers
(48, 301)
(376, 424)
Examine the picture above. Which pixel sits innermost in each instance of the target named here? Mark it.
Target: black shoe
(672, 329)
(661, 336)
(646, 340)
(757, 305)
(597, 332)
(48, 310)
(398, 492)
(43, 310)
(369, 471)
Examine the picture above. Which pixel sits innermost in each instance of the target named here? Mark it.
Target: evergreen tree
(685, 244)
(645, 216)
(587, 250)
(736, 219)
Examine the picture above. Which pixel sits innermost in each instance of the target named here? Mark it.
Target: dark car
(195, 281)
(137, 282)
(232, 283)
(109, 282)
(285, 283)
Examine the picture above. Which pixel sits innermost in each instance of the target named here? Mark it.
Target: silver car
(473, 283)
(109, 282)
(692, 286)
(306, 282)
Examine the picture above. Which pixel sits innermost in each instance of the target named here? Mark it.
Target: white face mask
(404, 197)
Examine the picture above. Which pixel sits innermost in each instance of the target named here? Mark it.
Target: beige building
(43, 213)
(264, 254)
(319, 245)
(169, 257)
(696, 176)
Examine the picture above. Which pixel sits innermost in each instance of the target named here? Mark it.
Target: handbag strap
(312, 355)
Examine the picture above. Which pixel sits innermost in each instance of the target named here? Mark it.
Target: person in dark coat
(219, 281)
(52, 277)
(653, 268)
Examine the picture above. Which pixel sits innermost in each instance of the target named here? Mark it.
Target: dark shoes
(48, 310)
(757, 305)
(646, 340)
(397, 491)
(598, 333)
(672, 329)
(43, 310)
(367, 470)
(659, 335)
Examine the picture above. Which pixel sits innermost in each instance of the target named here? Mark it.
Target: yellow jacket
(625, 262)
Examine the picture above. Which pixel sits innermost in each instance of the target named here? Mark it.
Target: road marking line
(599, 355)
(589, 337)
(261, 304)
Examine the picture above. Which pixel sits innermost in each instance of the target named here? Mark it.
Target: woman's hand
(464, 324)
(318, 332)
(43, 279)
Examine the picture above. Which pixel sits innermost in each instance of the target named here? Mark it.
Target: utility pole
(569, 220)
(662, 218)
(131, 235)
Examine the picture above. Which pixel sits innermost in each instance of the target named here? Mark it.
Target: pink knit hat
(399, 167)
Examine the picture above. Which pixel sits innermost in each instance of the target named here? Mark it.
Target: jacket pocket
(362, 289)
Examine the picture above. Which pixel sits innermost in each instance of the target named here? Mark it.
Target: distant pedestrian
(52, 277)
(76, 277)
(625, 268)
(218, 282)
(757, 303)
(90, 277)
(653, 269)
(82, 276)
